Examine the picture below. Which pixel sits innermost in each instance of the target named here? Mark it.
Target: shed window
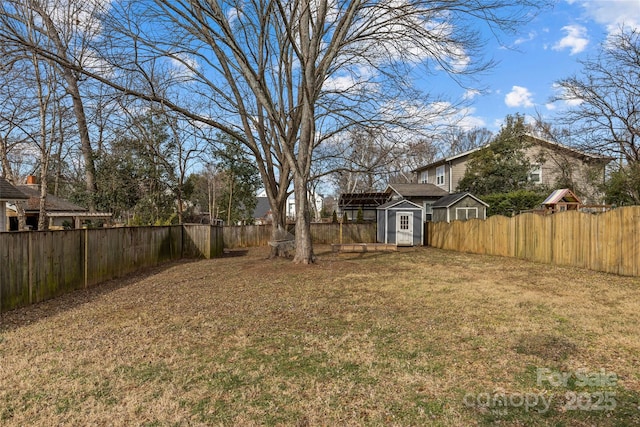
(464, 214)
(404, 222)
(440, 175)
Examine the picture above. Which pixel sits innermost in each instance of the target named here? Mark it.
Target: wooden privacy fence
(608, 242)
(321, 233)
(35, 266)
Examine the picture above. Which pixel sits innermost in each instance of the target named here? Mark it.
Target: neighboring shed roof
(262, 207)
(562, 195)
(451, 199)
(417, 190)
(52, 204)
(9, 193)
(394, 203)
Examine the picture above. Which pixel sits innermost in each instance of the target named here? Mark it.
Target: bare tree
(283, 77)
(63, 30)
(606, 98)
(298, 72)
(33, 117)
(461, 140)
(368, 159)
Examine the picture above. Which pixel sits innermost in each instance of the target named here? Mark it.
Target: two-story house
(552, 162)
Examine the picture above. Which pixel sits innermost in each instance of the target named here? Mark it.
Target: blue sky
(545, 50)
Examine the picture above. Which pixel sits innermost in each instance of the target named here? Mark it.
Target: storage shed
(459, 207)
(400, 222)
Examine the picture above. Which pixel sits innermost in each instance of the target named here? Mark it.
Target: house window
(424, 177)
(464, 214)
(536, 173)
(440, 175)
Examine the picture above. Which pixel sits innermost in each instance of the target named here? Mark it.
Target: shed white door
(404, 229)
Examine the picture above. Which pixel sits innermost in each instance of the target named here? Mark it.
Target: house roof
(571, 150)
(561, 195)
(444, 160)
(394, 203)
(9, 193)
(262, 207)
(451, 199)
(532, 138)
(416, 190)
(52, 204)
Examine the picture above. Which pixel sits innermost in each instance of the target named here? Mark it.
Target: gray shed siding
(440, 213)
(387, 223)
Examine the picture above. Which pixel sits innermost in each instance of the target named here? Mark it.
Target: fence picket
(608, 242)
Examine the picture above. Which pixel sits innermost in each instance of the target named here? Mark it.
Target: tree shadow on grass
(23, 316)
(234, 253)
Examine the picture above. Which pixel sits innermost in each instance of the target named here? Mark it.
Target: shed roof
(416, 190)
(394, 203)
(9, 193)
(562, 195)
(451, 199)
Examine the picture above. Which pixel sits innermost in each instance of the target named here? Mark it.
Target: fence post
(30, 265)
(86, 258)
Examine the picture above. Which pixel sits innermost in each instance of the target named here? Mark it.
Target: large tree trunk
(85, 141)
(278, 226)
(304, 246)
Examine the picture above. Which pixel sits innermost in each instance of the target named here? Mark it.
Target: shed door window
(464, 214)
(404, 222)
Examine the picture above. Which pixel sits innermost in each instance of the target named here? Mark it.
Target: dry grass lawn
(417, 337)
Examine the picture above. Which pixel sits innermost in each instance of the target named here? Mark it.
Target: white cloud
(360, 78)
(563, 99)
(183, 66)
(612, 13)
(468, 121)
(575, 39)
(532, 35)
(518, 97)
(470, 94)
